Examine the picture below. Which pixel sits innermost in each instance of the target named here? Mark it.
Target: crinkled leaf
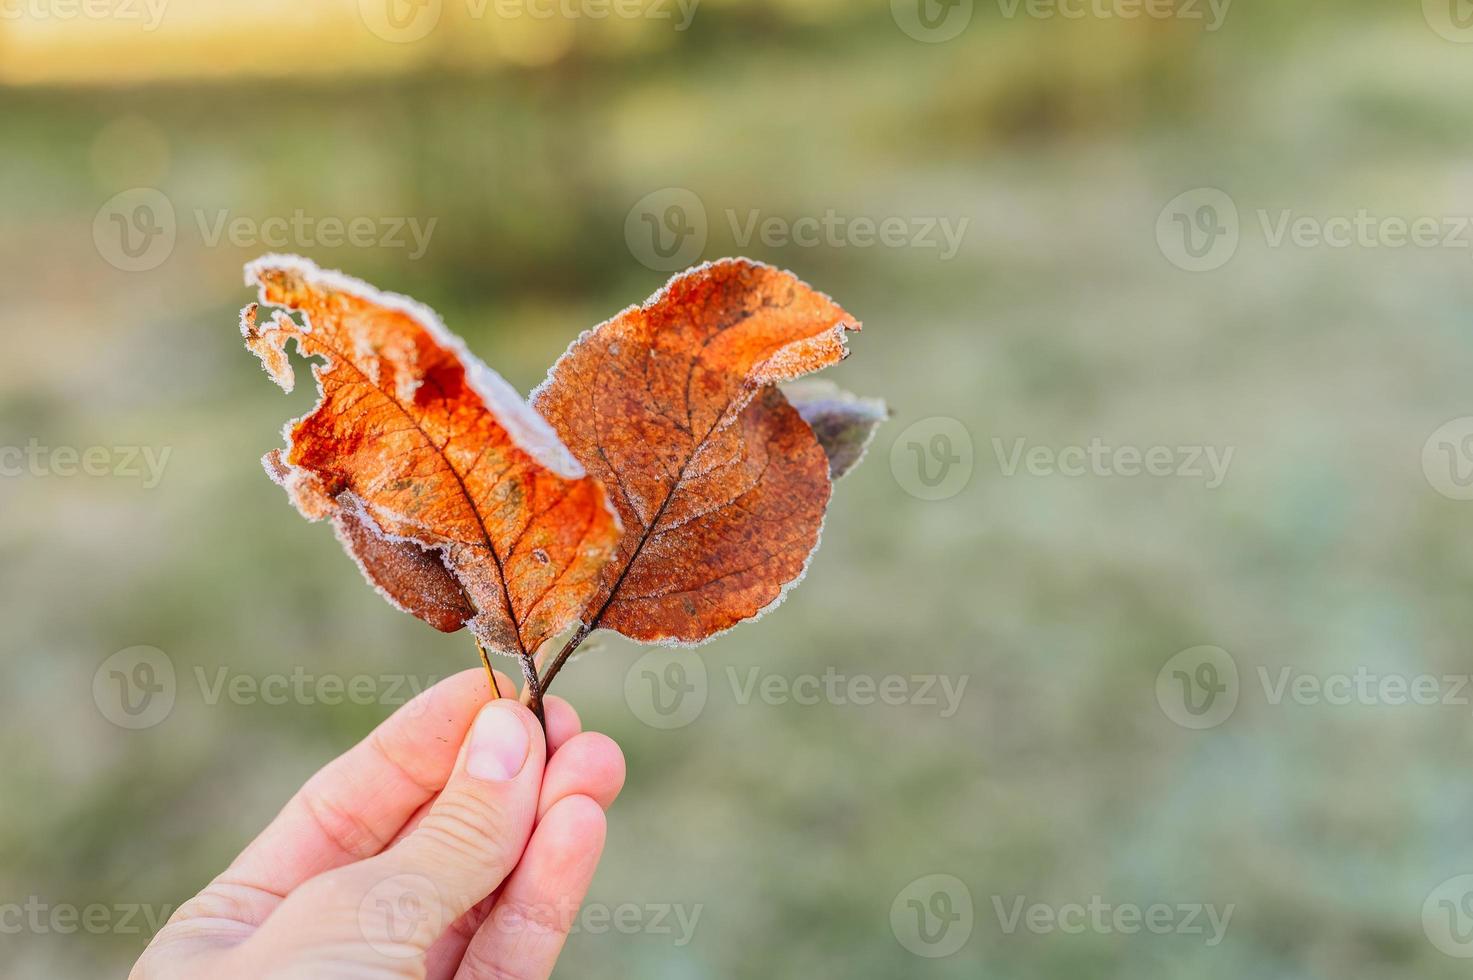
(459, 503)
(720, 484)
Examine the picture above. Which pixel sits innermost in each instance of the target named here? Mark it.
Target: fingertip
(517, 710)
(603, 758)
(574, 824)
(562, 721)
(501, 742)
(591, 765)
(505, 741)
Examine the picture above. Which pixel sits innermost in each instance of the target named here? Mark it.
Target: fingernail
(498, 744)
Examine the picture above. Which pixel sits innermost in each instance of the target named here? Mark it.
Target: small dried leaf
(720, 484)
(459, 503)
(844, 423)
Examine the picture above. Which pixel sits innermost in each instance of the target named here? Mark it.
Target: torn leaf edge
(528, 430)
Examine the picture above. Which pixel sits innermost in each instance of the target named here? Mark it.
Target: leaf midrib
(459, 480)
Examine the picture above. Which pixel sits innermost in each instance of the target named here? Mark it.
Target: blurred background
(1138, 645)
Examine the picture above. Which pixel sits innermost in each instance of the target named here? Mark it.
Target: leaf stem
(593, 622)
(486, 660)
(573, 643)
(532, 690)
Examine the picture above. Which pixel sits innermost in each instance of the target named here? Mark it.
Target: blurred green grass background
(794, 827)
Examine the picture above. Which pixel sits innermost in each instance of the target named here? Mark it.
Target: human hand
(447, 844)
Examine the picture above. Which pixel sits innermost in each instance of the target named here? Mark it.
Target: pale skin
(452, 842)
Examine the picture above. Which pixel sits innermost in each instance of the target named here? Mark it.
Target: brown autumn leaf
(720, 483)
(458, 501)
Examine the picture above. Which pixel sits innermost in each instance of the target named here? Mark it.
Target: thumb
(392, 907)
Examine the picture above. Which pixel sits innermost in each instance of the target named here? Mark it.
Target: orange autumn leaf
(460, 504)
(720, 483)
